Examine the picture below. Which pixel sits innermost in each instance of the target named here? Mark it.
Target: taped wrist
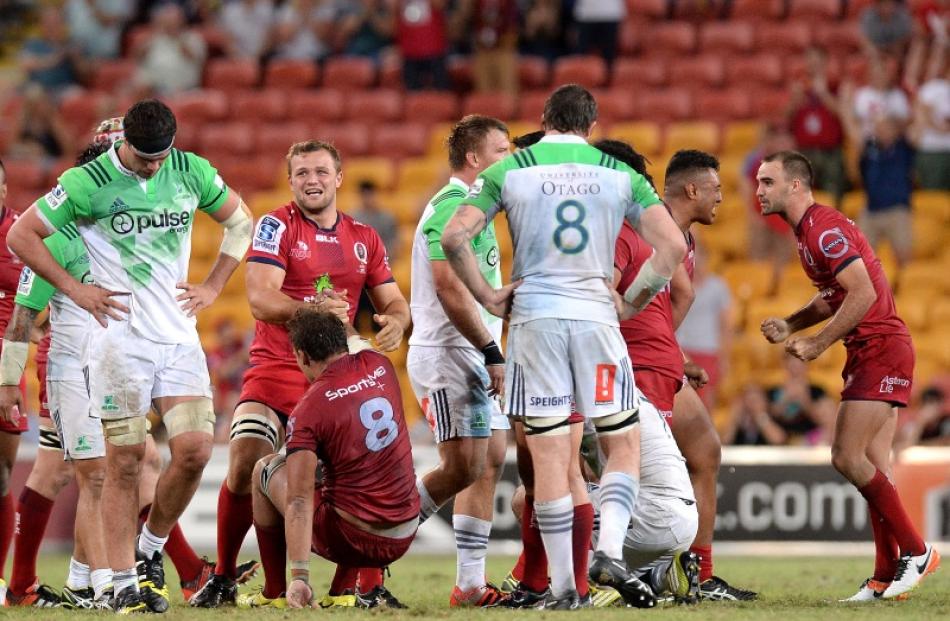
(12, 362)
(493, 355)
(237, 233)
(645, 286)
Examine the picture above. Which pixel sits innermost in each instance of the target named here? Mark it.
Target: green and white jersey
(565, 201)
(431, 326)
(138, 232)
(70, 323)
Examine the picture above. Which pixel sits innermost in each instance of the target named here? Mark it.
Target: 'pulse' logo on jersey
(123, 223)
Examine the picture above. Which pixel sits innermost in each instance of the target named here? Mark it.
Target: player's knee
(264, 471)
(192, 458)
(123, 432)
(517, 502)
(91, 480)
(844, 461)
(62, 475)
(464, 470)
(196, 415)
(249, 430)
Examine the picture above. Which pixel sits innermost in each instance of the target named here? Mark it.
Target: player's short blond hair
(312, 146)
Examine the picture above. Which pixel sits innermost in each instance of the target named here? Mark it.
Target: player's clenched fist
(775, 330)
(334, 302)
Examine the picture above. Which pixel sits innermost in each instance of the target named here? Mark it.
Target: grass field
(790, 589)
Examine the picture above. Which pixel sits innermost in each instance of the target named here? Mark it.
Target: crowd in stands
(862, 87)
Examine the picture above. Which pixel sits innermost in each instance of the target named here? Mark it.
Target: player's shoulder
(448, 197)
(356, 228)
(91, 176)
(820, 217)
(284, 213)
(187, 162)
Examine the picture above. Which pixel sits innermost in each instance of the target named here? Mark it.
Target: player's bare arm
(270, 304)
(682, 294)
(392, 313)
(457, 237)
(298, 525)
(236, 219)
(776, 329)
(16, 343)
(861, 295)
(659, 230)
(26, 240)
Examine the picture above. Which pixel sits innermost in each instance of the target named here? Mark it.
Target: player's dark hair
(150, 126)
(526, 140)
(570, 108)
(92, 151)
(794, 165)
(312, 146)
(468, 135)
(317, 334)
(623, 151)
(688, 161)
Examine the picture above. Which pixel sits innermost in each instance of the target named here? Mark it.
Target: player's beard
(317, 207)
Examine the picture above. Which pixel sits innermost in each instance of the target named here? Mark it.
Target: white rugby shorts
(80, 432)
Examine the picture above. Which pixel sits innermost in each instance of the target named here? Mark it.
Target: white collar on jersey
(458, 182)
(114, 158)
(564, 138)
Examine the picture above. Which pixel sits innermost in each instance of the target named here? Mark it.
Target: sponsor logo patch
(56, 197)
(268, 234)
(833, 243)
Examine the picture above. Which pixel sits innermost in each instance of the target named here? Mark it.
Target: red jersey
(827, 243)
(352, 418)
(10, 268)
(421, 30)
(350, 254)
(42, 349)
(649, 334)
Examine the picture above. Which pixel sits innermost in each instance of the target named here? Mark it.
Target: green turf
(791, 590)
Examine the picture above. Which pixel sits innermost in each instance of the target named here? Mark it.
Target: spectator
(95, 26)
(930, 424)
(369, 211)
(706, 332)
(750, 423)
(879, 98)
(247, 26)
(302, 30)
(814, 122)
(39, 131)
(931, 133)
(172, 57)
(493, 31)
(227, 361)
(886, 28)
(543, 33)
(802, 410)
(366, 29)
(49, 59)
(928, 50)
(598, 26)
(422, 37)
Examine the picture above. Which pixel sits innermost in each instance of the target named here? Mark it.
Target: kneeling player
(364, 512)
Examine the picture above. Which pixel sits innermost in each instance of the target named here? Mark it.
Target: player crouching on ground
(364, 512)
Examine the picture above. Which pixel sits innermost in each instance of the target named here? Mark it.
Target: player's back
(355, 412)
(565, 201)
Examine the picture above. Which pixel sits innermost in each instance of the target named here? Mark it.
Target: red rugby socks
(273, 547)
(580, 544)
(882, 496)
(235, 516)
(7, 519)
(886, 550)
(535, 566)
(33, 511)
(705, 561)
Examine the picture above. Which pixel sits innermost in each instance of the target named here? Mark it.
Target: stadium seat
(200, 106)
(730, 37)
(702, 135)
(940, 314)
(794, 283)
(918, 278)
(644, 136)
(761, 309)
(533, 72)
(784, 37)
(740, 137)
(839, 38)
(531, 105)
(460, 73)
(758, 9)
(671, 104)
(630, 39)
(437, 135)
(390, 73)
(932, 203)
(324, 105)
(914, 309)
(379, 170)
(407, 207)
(232, 138)
(400, 140)
(853, 203)
(275, 139)
(188, 138)
(26, 174)
(230, 74)
(349, 72)
(854, 8)
(351, 139)
(628, 72)
(291, 74)
(671, 39)
(374, 106)
(109, 74)
(815, 9)
(726, 105)
(263, 202)
(768, 103)
(248, 175)
(856, 67)
(613, 105)
(759, 70)
(930, 237)
(269, 104)
(702, 70)
(588, 71)
(498, 105)
(749, 280)
(421, 175)
(81, 111)
(652, 9)
(431, 106)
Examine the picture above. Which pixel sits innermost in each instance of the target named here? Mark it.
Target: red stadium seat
(707, 70)
(291, 74)
(27, 174)
(653, 9)
(631, 34)
(733, 37)
(671, 39)
(532, 105)
(671, 104)
(274, 139)
(498, 105)
(816, 9)
(109, 74)
(375, 106)
(230, 74)
(400, 140)
(769, 103)
(82, 110)
(588, 71)
(533, 72)
(785, 37)
(856, 67)
(796, 68)
(839, 38)
(188, 138)
(319, 106)
(856, 7)
(756, 69)
(349, 72)
(726, 105)
(269, 104)
(200, 106)
(758, 9)
(233, 138)
(617, 104)
(431, 106)
(351, 139)
(632, 71)
(390, 73)
(247, 174)
(460, 73)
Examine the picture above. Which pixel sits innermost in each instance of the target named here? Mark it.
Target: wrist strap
(12, 362)
(493, 355)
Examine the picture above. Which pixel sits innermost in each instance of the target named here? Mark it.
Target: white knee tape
(195, 415)
(546, 425)
(275, 464)
(125, 431)
(256, 426)
(618, 423)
